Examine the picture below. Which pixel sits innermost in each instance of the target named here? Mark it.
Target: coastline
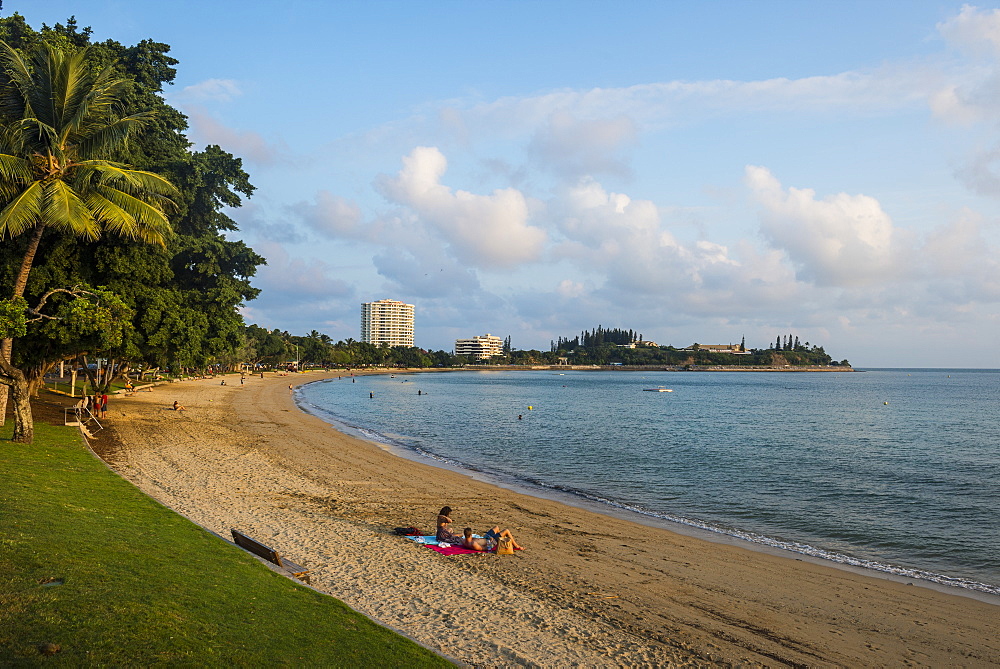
(654, 368)
(591, 588)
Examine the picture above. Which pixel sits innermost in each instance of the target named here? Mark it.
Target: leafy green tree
(59, 131)
(268, 347)
(76, 319)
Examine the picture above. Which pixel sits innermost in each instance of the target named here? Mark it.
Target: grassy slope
(141, 585)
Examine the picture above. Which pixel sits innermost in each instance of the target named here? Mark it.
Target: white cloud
(424, 273)
(627, 242)
(575, 147)
(570, 289)
(971, 94)
(481, 230)
(331, 215)
(964, 263)
(948, 105)
(205, 129)
(616, 114)
(210, 90)
(974, 31)
(293, 278)
(840, 240)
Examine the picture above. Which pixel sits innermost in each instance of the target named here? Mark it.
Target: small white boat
(658, 390)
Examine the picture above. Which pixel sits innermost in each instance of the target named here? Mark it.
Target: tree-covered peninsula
(597, 347)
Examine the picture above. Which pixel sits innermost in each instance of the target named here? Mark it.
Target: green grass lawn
(91, 564)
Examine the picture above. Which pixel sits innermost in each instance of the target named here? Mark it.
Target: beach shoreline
(592, 588)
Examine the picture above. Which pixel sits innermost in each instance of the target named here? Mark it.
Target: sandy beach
(590, 590)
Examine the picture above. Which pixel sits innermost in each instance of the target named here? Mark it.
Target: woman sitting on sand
(178, 406)
(444, 533)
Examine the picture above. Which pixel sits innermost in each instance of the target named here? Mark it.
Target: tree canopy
(180, 297)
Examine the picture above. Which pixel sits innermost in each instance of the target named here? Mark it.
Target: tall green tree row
(181, 292)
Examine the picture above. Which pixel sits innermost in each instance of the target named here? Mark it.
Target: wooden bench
(271, 555)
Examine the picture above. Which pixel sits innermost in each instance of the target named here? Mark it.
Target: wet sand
(589, 590)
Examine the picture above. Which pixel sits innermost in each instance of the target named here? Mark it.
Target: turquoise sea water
(895, 470)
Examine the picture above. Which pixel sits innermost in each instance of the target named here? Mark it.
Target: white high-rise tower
(387, 322)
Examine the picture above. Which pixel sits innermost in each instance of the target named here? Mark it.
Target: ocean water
(893, 470)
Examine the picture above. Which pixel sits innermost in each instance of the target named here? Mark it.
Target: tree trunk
(7, 345)
(35, 377)
(13, 378)
(24, 425)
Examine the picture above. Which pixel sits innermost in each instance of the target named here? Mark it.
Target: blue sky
(697, 172)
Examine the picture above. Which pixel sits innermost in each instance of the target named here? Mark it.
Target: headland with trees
(598, 347)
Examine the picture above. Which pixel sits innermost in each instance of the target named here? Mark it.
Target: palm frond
(109, 135)
(23, 212)
(112, 218)
(16, 75)
(149, 223)
(14, 171)
(94, 109)
(71, 85)
(124, 178)
(63, 210)
(41, 96)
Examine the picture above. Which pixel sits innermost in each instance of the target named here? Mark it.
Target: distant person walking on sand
(104, 405)
(178, 406)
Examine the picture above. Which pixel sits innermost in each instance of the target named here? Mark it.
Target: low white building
(480, 347)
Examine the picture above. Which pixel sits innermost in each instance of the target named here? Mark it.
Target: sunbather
(494, 534)
(474, 544)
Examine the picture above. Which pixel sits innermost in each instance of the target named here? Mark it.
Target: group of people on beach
(489, 543)
(96, 404)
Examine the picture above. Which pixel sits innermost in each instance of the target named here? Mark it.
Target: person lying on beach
(494, 534)
(178, 406)
(473, 544)
(444, 533)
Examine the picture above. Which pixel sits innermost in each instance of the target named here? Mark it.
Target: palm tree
(58, 128)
